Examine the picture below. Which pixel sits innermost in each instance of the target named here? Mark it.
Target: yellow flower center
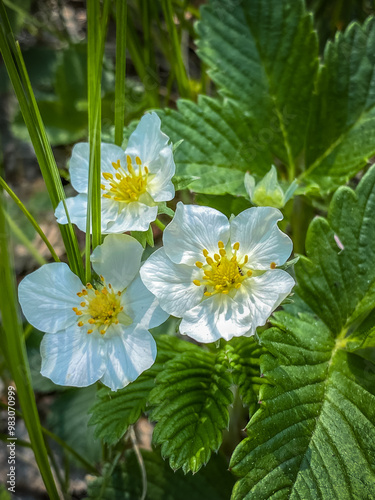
(100, 308)
(125, 186)
(222, 273)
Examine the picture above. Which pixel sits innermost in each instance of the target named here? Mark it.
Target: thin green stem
(159, 224)
(29, 217)
(121, 17)
(140, 461)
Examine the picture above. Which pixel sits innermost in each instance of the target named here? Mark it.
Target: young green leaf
(113, 412)
(190, 402)
(314, 432)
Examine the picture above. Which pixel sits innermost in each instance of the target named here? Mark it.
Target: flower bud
(268, 191)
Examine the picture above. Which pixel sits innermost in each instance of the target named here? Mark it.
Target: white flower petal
(77, 208)
(79, 163)
(260, 238)
(133, 216)
(118, 259)
(142, 306)
(216, 317)
(79, 167)
(162, 170)
(147, 140)
(129, 353)
(109, 154)
(48, 295)
(192, 229)
(263, 294)
(172, 284)
(72, 357)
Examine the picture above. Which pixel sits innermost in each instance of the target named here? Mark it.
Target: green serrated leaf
(113, 412)
(246, 47)
(219, 146)
(340, 135)
(314, 434)
(124, 483)
(190, 403)
(363, 336)
(337, 278)
(244, 359)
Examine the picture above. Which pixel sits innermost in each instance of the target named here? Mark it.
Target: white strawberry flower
(220, 276)
(94, 332)
(133, 181)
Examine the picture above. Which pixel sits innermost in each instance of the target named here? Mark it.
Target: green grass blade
(121, 17)
(19, 77)
(146, 74)
(30, 218)
(24, 240)
(96, 33)
(179, 68)
(18, 364)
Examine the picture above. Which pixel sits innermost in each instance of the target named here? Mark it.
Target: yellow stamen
(273, 265)
(223, 273)
(126, 185)
(101, 308)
